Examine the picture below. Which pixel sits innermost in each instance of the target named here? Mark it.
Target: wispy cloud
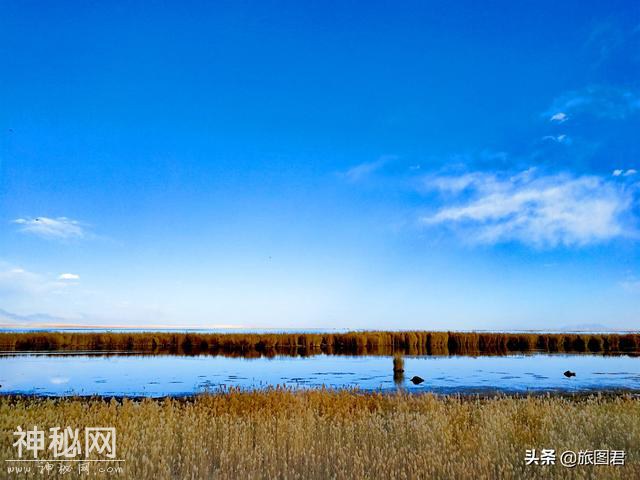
(596, 100)
(68, 276)
(564, 139)
(605, 39)
(533, 208)
(19, 280)
(455, 184)
(631, 285)
(60, 228)
(59, 380)
(363, 170)
(16, 280)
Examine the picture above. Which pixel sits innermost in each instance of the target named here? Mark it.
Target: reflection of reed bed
(359, 343)
(325, 434)
(274, 354)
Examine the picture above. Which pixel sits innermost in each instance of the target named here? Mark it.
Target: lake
(175, 375)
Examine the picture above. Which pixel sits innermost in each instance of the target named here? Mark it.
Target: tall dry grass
(325, 434)
(372, 343)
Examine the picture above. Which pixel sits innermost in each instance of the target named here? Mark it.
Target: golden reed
(321, 434)
(360, 343)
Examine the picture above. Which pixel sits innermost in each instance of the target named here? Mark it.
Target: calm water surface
(145, 375)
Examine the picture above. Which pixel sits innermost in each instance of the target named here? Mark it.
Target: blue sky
(442, 165)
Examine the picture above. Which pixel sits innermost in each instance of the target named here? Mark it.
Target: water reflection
(162, 375)
(398, 370)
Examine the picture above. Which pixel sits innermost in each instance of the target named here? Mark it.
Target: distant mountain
(13, 318)
(589, 327)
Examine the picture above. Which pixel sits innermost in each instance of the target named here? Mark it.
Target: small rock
(417, 380)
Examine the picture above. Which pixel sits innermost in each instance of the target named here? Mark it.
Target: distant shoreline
(70, 328)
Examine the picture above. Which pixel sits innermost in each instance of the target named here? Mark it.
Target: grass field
(325, 434)
(372, 343)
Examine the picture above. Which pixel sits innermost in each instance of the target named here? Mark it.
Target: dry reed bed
(345, 434)
(373, 342)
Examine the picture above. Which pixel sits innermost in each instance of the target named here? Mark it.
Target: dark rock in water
(417, 380)
(569, 373)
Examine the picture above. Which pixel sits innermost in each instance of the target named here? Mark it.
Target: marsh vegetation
(344, 434)
(361, 343)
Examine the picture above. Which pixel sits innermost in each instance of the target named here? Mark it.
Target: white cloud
(534, 209)
(625, 173)
(61, 228)
(68, 276)
(559, 117)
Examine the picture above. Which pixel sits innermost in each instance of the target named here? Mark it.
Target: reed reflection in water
(161, 375)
